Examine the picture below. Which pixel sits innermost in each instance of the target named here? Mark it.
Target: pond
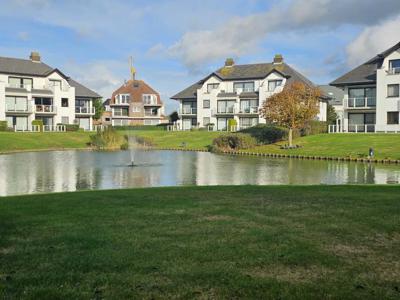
(57, 171)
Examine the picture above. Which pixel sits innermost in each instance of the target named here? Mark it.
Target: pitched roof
(365, 73)
(333, 94)
(28, 67)
(136, 88)
(246, 72)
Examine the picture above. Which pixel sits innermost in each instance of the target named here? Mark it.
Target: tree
(292, 108)
(331, 115)
(98, 105)
(173, 117)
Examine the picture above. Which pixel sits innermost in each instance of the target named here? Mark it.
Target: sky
(175, 43)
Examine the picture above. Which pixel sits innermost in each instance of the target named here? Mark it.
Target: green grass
(203, 242)
(21, 141)
(341, 145)
(174, 139)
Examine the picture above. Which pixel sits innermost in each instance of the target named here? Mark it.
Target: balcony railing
(47, 109)
(85, 110)
(124, 103)
(394, 71)
(188, 111)
(248, 110)
(361, 102)
(19, 108)
(226, 110)
(120, 114)
(361, 128)
(19, 86)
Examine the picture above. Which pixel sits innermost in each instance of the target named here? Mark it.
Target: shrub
(314, 127)
(233, 141)
(38, 123)
(231, 123)
(109, 139)
(267, 134)
(3, 126)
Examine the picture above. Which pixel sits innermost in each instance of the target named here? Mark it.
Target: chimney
(35, 56)
(229, 62)
(278, 59)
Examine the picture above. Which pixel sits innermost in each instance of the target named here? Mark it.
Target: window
(249, 106)
(15, 104)
(243, 86)
(65, 120)
(394, 66)
(19, 82)
(212, 86)
(123, 99)
(149, 99)
(226, 106)
(248, 122)
(362, 97)
(107, 119)
(64, 102)
(393, 90)
(393, 117)
(206, 103)
(206, 121)
(55, 83)
(121, 111)
(273, 84)
(136, 109)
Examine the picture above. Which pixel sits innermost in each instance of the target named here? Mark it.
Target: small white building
(31, 90)
(372, 99)
(236, 92)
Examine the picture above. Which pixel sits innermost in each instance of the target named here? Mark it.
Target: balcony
(361, 103)
(119, 103)
(151, 103)
(249, 110)
(45, 109)
(226, 111)
(85, 110)
(19, 108)
(394, 71)
(188, 111)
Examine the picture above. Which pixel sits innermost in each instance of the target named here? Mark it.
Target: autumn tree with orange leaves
(293, 107)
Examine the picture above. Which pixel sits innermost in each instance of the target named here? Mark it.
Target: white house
(31, 90)
(372, 100)
(236, 92)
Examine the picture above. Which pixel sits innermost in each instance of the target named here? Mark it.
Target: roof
(136, 88)
(246, 72)
(28, 67)
(333, 94)
(365, 73)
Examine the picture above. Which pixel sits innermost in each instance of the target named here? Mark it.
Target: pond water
(57, 171)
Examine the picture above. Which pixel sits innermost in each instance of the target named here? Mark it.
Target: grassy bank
(386, 146)
(203, 242)
(18, 141)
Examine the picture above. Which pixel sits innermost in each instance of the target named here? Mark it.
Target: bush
(314, 127)
(235, 141)
(109, 139)
(3, 126)
(38, 123)
(267, 134)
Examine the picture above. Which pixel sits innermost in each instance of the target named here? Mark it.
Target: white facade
(52, 99)
(373, 107)
(218, 101)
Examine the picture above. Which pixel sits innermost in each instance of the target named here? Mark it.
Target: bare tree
(292, 108)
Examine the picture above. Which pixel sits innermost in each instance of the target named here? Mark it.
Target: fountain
(132, 144)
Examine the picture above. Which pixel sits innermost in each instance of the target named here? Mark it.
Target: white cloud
(241, 35)
(23, 35)
(373, 40)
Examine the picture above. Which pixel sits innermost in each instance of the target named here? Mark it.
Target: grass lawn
(341, 145)
(203, 242)
(174, 139)
(17, 141)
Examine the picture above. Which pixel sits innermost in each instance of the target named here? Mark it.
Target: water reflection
(25, 173)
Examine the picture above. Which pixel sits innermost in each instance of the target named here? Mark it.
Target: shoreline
(239, 152)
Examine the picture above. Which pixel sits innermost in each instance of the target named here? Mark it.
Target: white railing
(85, 110)
(248, 110)
(19, 86)
(361, 102)
(188, 111)
(54, 128)
(19, 108)
(39, 128)
(394, 71)
(226, 110)
(119, 102)
(45, 109)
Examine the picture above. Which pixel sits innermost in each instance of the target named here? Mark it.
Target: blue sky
(175, 43)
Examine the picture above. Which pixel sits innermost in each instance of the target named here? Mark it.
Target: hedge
(3, 126)
(234, 141)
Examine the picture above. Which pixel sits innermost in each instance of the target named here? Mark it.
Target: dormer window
(240, 87)
(212, 86)
(394, 66)
(149, 99)
(273, 84)
(124, 98)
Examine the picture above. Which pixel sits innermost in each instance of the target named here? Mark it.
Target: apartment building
(371, 95)
(236, 92)
(136, 103)
(32, 90)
